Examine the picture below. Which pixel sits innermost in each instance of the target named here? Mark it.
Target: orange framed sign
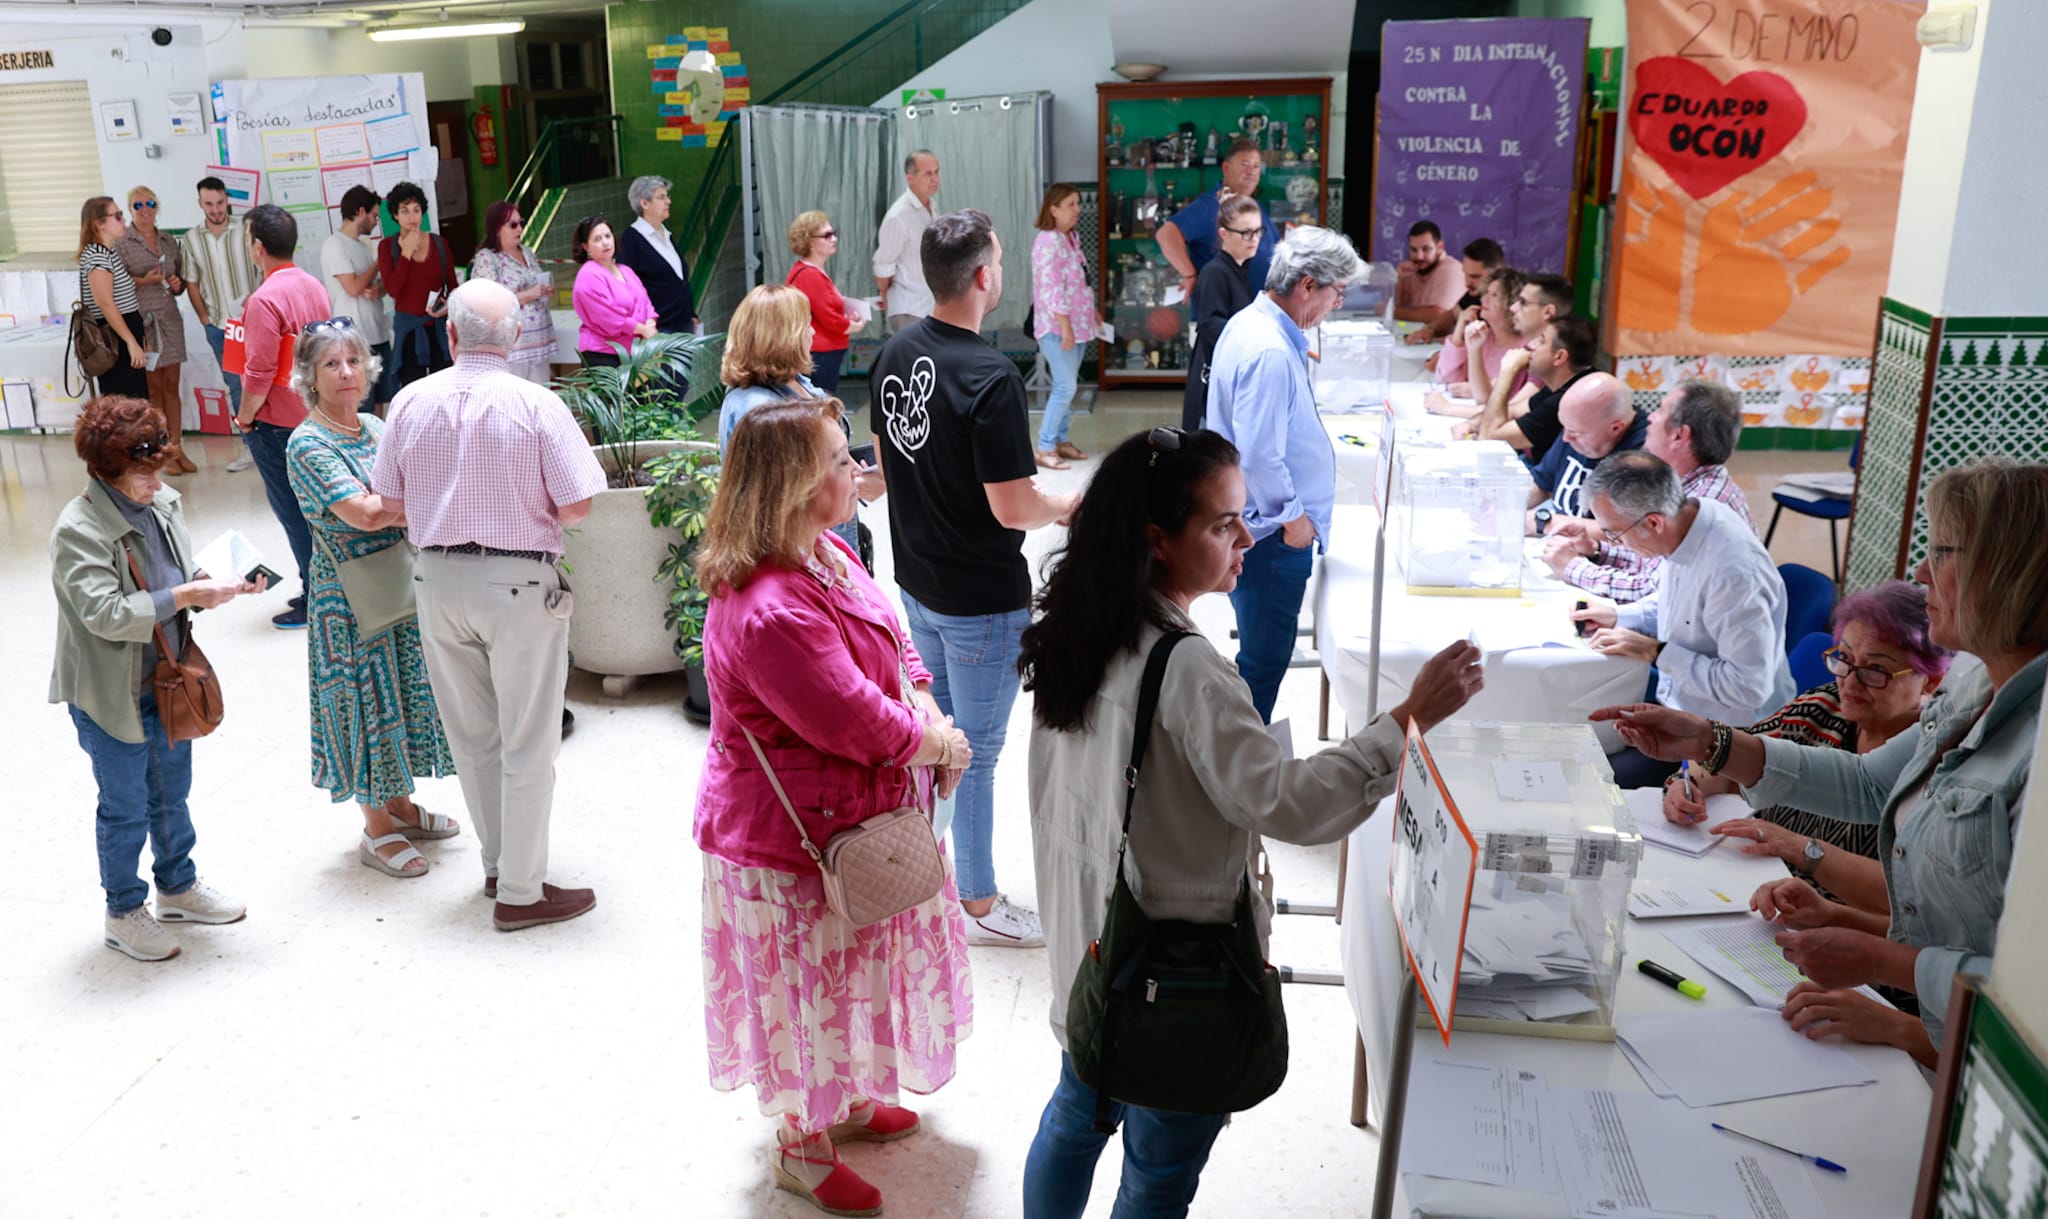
(1430, 881)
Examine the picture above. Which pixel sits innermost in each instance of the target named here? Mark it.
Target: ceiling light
(474, 29)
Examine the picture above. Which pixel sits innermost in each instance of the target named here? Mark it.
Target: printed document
(1478, 1123)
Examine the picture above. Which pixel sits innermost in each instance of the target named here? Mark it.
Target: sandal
(394, 866)
(1050, 459)
(1069, 450)
(842, 1192)
(884, 1124)
(431, 825)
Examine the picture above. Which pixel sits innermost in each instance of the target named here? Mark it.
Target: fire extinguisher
(485, 129)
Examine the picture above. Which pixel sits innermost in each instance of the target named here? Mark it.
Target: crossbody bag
(188, 699)
(378, 586)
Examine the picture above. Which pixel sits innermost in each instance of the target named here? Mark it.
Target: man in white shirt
(218, 278)
(899, 271)
(1714, 626)
(349, 269)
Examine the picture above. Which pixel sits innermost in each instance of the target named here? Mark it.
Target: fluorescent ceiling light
(474, 29)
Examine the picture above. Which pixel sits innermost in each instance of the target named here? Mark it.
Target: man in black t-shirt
(955, 451)
(1562, 353)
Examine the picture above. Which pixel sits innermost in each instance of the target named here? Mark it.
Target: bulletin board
(305, 141)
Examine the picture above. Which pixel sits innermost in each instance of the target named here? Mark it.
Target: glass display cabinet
(1161, 145)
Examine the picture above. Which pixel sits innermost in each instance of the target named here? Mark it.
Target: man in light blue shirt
(1260, 400)
(1714, 625)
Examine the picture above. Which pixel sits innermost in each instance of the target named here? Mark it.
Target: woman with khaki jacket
(1162, 524)
(126, 521)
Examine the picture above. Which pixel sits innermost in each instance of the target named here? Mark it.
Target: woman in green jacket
(106, 651)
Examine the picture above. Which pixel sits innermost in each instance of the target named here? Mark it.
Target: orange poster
(1765, 147)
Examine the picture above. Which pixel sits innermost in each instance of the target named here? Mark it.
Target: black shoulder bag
(1167, 1014)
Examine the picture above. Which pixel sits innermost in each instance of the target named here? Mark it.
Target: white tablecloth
(1876, 1130)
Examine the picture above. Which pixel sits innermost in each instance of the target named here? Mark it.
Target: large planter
(617, 630)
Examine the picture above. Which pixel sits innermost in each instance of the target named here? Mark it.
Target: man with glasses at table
(1714, 626)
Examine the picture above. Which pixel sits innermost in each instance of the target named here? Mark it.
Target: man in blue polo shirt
(1188, 239)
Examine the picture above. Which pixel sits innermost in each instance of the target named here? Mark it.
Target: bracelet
(1717, 753)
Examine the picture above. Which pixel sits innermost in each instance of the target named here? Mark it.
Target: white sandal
(394, 866)
(431, 826)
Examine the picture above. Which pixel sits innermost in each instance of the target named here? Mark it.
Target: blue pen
(1685, 772)
(1822, 1161)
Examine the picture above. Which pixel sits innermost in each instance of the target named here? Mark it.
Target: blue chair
(1809, 669)
(1809, 600)
(1833, 511)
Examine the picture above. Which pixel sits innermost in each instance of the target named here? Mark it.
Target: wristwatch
(1812, 853)
(1543, 516)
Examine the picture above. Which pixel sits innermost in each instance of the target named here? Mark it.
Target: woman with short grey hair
(375, 726)
(647, 247)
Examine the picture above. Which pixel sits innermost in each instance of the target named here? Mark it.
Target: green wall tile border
(1907, 313)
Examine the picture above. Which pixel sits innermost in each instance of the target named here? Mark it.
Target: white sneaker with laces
(140, 936)
(1006, 926)
(202, 903)
(241, 463)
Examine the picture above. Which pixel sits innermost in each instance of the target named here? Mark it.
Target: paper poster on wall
(289, 150)
(243, 185)
(314, 227)
(1763, 154)
(118, 121)
(386, 174)
(295, 188)
(185, 114)
(335, 181)
(389, 137)
(422, 167)
(342, 144)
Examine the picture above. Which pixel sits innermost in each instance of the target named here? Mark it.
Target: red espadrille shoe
(883, 1124)
(841, 1191)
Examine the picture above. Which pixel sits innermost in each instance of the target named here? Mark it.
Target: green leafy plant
(684, 483)
(658, 391)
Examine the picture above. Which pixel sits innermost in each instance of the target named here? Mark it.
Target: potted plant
(639, 410)
(684, 483)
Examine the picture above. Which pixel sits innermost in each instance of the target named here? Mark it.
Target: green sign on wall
(912, 97)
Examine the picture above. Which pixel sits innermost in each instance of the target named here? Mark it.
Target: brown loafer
(555, 906)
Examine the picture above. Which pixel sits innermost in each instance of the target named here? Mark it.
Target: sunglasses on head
(1164, 440)
(332, 323)
(150, 448)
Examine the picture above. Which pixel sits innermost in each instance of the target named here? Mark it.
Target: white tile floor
(363, 1045)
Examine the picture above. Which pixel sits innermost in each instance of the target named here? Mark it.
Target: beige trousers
(496, 635)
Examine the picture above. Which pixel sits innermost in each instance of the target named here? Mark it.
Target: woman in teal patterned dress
(375, 726)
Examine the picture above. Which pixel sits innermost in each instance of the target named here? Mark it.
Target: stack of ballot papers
(1524, 960)
(1718, 1056)
(1744, 953)
(1647, 803)
(1631, 1155)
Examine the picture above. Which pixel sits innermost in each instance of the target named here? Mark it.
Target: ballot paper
(1717, 1056)
(1681, 899)
(230, 556)
(1478, 1123)
(1647, 803)
(1532, 780)
(1282, 732)
(860, 310)
(1524, 959)
(1632, 1155)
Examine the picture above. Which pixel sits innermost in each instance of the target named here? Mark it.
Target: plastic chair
(1833, 511)
(1809, 600)
(1809, 669)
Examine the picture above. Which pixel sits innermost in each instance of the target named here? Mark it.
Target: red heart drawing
(1706, 133)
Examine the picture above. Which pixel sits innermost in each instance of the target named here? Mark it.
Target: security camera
(160, 36)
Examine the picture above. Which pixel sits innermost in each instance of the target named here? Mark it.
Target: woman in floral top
(504, 260)
(1064, 309)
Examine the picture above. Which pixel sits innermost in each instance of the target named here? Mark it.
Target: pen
(1685, 772)
(1822, 1161)
(1678, 982)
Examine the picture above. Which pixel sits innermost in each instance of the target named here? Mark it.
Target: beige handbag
(377, 586)
(879, 868)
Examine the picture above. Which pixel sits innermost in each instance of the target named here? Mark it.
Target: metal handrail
(545, 149)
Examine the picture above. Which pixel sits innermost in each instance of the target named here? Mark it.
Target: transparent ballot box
(1457, 518)
(1356, 365)
(1558, 852)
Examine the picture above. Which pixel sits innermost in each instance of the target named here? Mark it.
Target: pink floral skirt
(817, 1014)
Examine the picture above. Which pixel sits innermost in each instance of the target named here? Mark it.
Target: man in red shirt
(285, 302)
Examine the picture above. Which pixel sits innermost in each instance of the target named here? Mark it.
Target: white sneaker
(202, 903)
(241, 463)
(140, 936)
(1006, 926)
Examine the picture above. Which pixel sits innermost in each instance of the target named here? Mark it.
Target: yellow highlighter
(1683, 985)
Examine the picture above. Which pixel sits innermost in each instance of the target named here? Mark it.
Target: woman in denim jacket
(1946, 799)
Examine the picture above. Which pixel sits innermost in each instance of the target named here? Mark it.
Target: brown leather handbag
(187, 692)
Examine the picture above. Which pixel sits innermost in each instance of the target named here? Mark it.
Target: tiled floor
(362, 1045)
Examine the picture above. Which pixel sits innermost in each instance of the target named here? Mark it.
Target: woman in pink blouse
(1490, 338)
(1064, 311)
(608, 298)
(811, 674)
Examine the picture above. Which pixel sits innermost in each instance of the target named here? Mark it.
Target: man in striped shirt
(218, 278)
(1694, 429)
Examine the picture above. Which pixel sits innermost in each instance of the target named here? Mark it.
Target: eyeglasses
(1941, 554)
(1246, 232)
(1615, 535)
(1841, 664)
(824, 233)
(332, 323)
(515, 223)
(150, 448)
(113, 215)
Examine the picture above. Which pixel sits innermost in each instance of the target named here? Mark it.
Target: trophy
(1212, 151)
(1187, 145)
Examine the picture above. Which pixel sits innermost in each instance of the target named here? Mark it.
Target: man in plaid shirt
(1693, 429)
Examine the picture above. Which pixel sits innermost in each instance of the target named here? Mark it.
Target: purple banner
(1479, 132)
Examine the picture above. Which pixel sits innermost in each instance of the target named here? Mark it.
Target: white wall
(452, 66)
(2019, 974)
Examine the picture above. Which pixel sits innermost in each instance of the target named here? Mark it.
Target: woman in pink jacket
(608, 298)
(827, 1021)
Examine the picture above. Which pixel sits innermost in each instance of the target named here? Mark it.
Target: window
(45, 171)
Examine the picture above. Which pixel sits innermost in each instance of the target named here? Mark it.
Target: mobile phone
(264, 572)
(864, 454)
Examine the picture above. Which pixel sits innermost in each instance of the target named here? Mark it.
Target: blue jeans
(217, 339)
(825, 366)
(142, 798)
(267, 443)
(1163, 1155)
(974, 679)
(1065, 367)
(1268, 604)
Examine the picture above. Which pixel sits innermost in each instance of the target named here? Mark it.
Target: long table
(1876, 1130)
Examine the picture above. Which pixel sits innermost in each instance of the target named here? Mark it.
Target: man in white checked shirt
(489, 468)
